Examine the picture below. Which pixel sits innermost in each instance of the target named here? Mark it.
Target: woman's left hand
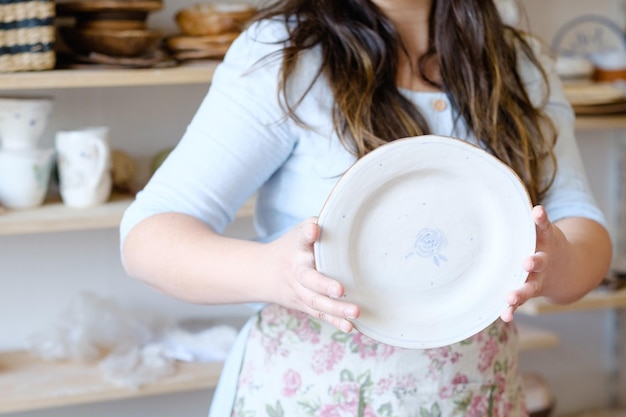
(550, 241)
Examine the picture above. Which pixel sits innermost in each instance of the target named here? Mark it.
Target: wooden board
(30, 383)
(54, 216)
(593, 301)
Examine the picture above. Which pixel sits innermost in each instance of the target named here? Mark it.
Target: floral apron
(296, 365)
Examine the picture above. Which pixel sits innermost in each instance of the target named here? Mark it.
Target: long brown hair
(477, 58)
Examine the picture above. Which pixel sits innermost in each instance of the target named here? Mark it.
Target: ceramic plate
(428, 235)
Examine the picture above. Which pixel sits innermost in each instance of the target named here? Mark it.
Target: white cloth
(239, 142)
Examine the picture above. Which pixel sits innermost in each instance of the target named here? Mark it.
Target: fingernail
(350, 313)
(334, 292)
(346, 327)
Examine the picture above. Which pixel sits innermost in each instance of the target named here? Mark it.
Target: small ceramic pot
(23, 120)
(24, 177)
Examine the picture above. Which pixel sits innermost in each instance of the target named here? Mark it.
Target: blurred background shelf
(532, 337)
(54, 216)
(57, 79)
(617, 121)
(30, 383)
(595, 300)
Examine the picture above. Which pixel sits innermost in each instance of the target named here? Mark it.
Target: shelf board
(531, 338)
(54, 216)
(595, 300)
(198, 73)
(617, 121)
(30, 383)
(69, 78)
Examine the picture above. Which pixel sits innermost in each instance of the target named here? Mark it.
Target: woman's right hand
(301, 286)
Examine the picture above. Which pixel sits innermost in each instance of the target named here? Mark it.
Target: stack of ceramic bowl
(208, 29)
(24, 164)
(113, 29)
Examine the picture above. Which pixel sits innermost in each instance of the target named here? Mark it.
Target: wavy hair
(477, 56)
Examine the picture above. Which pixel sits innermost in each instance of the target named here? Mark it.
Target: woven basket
(27, 35)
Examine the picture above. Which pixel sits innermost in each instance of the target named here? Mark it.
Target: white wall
(42, 273)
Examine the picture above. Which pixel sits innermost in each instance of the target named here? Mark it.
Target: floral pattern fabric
(296, 365)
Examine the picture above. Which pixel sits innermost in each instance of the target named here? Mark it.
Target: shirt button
(439, 105)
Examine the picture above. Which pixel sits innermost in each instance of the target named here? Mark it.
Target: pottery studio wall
(42, 274)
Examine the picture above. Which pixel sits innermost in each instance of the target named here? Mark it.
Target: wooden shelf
(593, 301)
(200, 73)
(617, 121)
(54, 216)
(55, 79)
(29, 383)
(532, 338)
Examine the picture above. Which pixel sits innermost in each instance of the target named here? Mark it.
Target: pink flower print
(307, 332)
(365, 346)
(271, 314)
(345, 396)
(439, 358)
(478, 407)
(369, 348)
(347, 392)
(459, 378)
(343, 410)
(247, 374)
(405, 385)
(384, 385)
(325, 358)
(271, 345)
(291, 382)
(446, 392)
(487, 353)
(500, 383)
(443, 355)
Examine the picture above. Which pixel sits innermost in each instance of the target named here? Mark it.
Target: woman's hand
(301, 286)
(572, 257)
(542, 265)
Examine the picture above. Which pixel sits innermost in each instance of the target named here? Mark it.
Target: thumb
(308, 233)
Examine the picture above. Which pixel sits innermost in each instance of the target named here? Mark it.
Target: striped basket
(27, 35)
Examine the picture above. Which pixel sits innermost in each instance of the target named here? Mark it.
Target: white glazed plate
(428, 236)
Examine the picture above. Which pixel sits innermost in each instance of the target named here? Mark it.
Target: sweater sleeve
(570, 194)
(235, 141)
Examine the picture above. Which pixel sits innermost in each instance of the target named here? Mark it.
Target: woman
(304, 92)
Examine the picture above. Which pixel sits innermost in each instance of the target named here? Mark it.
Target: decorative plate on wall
(588, 35)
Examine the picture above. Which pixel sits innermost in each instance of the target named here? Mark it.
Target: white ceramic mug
(84, 164)
(24, 177)
(23, 120)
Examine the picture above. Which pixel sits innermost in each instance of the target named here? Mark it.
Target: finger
(309, 232)
(321, 284)
(530, 289)
(542, 223)
(507, 315)
(540, 216)
(320, 305)
(537, 262)
(318, 288)
(336, 308)
(337, 313)
(344, 325)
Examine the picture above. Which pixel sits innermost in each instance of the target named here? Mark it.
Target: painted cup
(23, 120)
(24, 177)
(84, 164)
